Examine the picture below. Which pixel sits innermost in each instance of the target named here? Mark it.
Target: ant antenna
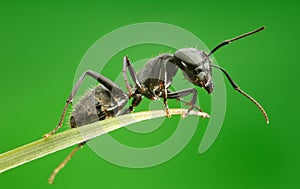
(236, 87)
(226, 42)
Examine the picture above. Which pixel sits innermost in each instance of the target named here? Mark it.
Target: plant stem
(45, 146)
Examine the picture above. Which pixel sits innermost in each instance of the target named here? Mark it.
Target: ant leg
(127, 64)
(101, 79)
(166, 103)
(137, 98)
(163, 85)
(185, 92)
(167, 107)
(124, 72)
(62, 164)
(187, 102)
(136, 101)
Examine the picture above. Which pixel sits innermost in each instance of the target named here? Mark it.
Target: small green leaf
(62, 140)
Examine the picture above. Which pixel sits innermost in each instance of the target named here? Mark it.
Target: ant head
(196, 67)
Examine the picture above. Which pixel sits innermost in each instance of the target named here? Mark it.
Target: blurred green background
(42, 43)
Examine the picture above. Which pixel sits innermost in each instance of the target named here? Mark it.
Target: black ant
(152, 81)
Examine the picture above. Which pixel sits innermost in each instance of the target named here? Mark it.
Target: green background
(41, 45)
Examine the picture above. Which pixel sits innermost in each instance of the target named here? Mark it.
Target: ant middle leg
(127, 65)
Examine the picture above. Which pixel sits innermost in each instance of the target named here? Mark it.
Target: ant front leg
(185, 92)
(101, 79)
